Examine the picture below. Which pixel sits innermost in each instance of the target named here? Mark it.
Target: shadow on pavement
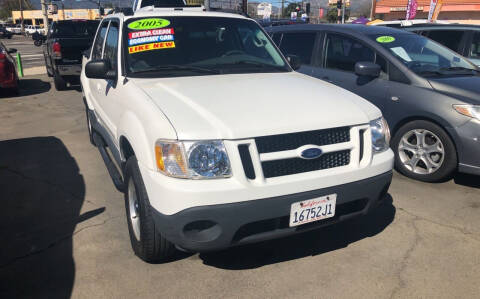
(468, 180)
(307, 244)
(27, 87)
(41, 192)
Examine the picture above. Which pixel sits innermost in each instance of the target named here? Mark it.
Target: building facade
(34, 17)
(455, 11)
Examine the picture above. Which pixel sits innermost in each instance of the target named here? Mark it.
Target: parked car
(211, 139)
(4, 33)
(66, 40)
(31, 29)
(463, 39)
(8, 70)
(429, 95)
(15, 29)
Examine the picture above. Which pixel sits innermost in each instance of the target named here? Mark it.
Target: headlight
(192, 159)
(468, 110)
(380, 135)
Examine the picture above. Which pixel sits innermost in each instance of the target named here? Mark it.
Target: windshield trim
(124, 44)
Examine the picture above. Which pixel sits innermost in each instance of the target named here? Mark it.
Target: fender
(132, 129)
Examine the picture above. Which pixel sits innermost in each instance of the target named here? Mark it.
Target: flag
(433, 4)
(411, 9)
(438, 7)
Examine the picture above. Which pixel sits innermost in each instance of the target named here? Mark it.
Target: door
(109, 92)
(300, 44)
(97, 86)
(336, 64)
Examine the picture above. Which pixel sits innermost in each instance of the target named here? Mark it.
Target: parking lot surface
(32, 56)
(64, 232)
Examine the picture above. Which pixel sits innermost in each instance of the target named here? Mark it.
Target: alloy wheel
(134, 210)
(421, 151)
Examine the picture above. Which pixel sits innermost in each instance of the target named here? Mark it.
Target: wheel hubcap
(134, 209)
(421, 151)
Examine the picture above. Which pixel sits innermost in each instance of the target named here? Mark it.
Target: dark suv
(429, 94)
(463, 39)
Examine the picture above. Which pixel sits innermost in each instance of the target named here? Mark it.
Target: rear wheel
(59, 83)
(147, 242)
(424, 151)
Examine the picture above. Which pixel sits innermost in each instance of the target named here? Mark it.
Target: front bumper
(220, 226)
(469, 149)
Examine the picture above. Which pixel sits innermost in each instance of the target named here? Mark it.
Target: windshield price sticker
(385, 39)
(150, 39)
(151, 23)
(151, 32)
(151, 46)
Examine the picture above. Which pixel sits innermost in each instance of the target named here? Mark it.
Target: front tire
(424, 152)
(147, 242)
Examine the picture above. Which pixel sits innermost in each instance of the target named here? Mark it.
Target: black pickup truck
(66, 40)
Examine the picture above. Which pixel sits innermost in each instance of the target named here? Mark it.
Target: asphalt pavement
(32, 56)
(64, 234)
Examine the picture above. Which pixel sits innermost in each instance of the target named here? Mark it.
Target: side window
(343, 52)
(449, 38)
(300, 44)
(475, 47)
(98, 44)
(276, 37)
(111, 45)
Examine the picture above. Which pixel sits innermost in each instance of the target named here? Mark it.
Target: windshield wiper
(175, 67)
(458, 69)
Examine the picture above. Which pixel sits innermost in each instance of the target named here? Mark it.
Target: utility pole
(22, 28)
(343, 11)
(45, 16)
(283, 7)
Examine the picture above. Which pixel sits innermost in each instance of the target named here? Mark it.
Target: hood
(238, 106)
(466, 89)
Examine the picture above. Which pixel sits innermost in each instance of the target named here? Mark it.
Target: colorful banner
(438, 7)
(433, 4)
(411, 9)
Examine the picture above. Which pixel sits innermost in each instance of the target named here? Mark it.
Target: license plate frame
(312, 210)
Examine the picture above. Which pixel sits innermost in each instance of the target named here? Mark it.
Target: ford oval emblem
(311, 153)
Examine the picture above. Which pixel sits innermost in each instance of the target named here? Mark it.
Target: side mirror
(99, 69)
(12, 50)
(367, 69)
(295, 61)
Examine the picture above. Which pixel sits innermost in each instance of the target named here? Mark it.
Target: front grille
(277, 168)
(284, 142)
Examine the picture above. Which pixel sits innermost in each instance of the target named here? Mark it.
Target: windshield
(181, 46)
(423, 56)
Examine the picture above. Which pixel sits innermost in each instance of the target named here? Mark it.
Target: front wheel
(424, 151)
(147, 242)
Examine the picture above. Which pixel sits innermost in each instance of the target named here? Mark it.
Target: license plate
(312, 210)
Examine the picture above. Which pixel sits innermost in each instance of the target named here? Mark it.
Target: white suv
(216, 141)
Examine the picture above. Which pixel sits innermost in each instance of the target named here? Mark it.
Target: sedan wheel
(421, 151)
(424, 151)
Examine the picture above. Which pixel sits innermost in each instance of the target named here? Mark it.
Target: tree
(9, 5)
(332, 15)
(290, 8)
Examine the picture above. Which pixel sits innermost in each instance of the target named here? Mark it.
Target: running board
(112, 169)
